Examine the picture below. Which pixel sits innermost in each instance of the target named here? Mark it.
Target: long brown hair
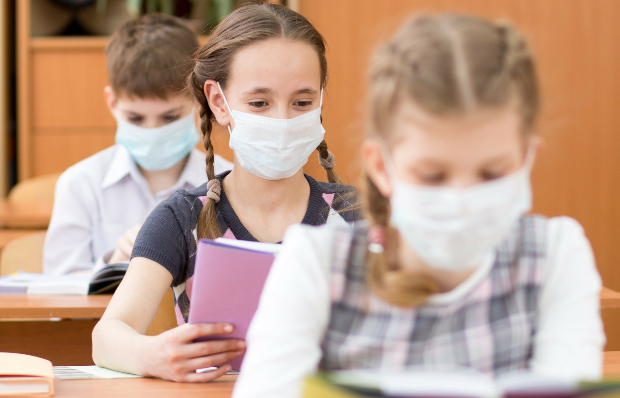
(446, 65)
(247, 25)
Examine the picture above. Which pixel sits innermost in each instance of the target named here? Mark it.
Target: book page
(89, 372)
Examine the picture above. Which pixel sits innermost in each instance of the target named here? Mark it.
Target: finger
(125, 246)
(132, 239)
(132, 234)
(207, 376)
(189, 332)
(211, 360)
(205, 348)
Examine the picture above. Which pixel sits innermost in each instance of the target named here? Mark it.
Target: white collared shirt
(98, 199)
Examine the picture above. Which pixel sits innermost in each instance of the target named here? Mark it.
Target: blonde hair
(245, 26)
(446, 65)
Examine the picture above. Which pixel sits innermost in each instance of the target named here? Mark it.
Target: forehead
(279, 64)
(477, 134)
(152, 104)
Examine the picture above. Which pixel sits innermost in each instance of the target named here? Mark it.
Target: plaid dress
(491, 328)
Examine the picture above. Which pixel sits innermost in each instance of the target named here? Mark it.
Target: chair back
(37, 190)
(23, 254)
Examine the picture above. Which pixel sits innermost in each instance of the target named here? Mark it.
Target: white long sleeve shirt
(98, 199)
(285, 337)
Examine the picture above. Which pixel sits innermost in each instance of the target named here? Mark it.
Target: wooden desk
(25, 326)
(143, 387)
(15, 215)
(611, 365)
(221, 388)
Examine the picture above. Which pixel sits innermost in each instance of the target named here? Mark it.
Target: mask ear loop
(227, 106)
(530, 153)
(388, 162)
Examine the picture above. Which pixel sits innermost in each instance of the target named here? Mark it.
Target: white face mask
(158, 148)
(274, 149)
(454, 229)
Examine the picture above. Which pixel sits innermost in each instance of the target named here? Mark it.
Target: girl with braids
(450, 271)
(261, 74)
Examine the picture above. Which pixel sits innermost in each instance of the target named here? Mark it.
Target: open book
(104, 281)
(446, 384)
(25, 375)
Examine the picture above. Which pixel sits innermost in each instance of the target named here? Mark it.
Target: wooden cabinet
(62, 116)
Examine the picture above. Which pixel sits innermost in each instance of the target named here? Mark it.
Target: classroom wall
(577, 46)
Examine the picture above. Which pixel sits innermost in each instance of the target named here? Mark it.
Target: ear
(372, 155)
(217, 104)
(110, 99)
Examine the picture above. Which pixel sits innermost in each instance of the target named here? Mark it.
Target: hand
(124, 245)
(174, 356)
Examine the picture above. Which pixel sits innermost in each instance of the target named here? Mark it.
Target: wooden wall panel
(577, 44)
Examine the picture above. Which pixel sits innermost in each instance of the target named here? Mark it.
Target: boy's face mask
(158, 148)
(274, 149)
(454, 229)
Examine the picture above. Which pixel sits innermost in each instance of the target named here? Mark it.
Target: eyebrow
(179, 108)
(498, 160)
(259, 90)
(265, 90)
(130, 112)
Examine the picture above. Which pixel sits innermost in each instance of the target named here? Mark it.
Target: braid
(397, 286)
(517, 70)
(207, 226)
(327, 160)
(514, 46)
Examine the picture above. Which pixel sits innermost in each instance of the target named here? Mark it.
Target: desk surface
(15, 215)
(221, 388)
(143, 387)
(31, 306)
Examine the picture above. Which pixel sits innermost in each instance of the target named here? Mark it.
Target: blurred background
(52, 74)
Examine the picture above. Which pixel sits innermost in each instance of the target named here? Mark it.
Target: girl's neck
(445, 280)
(265, 196)
(160, 180)
(267, 208)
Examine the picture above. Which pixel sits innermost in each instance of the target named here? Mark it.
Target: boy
(101, 202)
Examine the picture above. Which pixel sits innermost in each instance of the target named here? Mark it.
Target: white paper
(89, 372)
(24, 388)
(272, 248)
(76, 284)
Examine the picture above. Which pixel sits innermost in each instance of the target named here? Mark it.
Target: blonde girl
(450, 270)
(262, 74)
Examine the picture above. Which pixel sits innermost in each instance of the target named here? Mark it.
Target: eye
(135, 119)
(433, 178)
(490, 175)
(259, 104)
(171, 118)
(302, 104)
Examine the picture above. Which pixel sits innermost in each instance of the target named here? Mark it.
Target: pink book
(229, 276)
